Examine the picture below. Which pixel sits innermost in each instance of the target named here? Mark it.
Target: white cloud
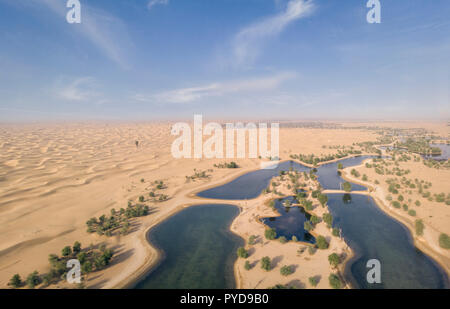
(192, 94)
(80, 89)
(152, 3)
(247, 42)
(105, 31)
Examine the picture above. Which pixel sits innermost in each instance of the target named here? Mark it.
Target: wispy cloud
(152, 3)
(247, 42)
(80, 89)
(193, 94)
(105, 31)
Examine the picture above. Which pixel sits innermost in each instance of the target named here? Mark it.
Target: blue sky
(232, 59)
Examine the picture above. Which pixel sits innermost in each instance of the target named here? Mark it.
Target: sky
(224, 59)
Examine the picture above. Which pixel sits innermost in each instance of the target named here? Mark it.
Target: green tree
(247, 265)
(321, 243)
(323, 199)
(308, 226)
(286, 270)
(266, 263)
(15, 281)
(66, 251)
(419, 227)
(76, 247)
(335, 282)
(444, 241)
(334, 260)
(328, 219)
(242, 253)
(33, 279)
(313, 281)
(252, 240)
(86, 267)
(347, 186)
(270, 234)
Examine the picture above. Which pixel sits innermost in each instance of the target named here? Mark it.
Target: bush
(328, 219)
(417, 203)
(444, 241)
(335, 232)
(419, 227)
(76, 247)
(270, 234)
(347, 186)
(315, 220)
(247, 265)
(294, 238)
(15, 281)
(311, 250)
(283, 239)
(286, 270)
(412, 212)
(321, 243)
(265, 263)
(313, 281)
(396, 204)
(252, 240)
(335, 282)
(334, 259)
(33, 279)
(242, 253)
(141, 198)
(307, 226)
(66, 251)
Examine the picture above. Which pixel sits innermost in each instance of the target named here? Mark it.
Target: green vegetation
(270, 234)
(321, 243)
(247, 265)
(308, 226)
(227, 165)
(444, 241)
(33, 280)
(346, 186)
(252, 239)
(282, 239)
(197, 175)
(336, 232)
(334, 260)
(328, 219)
(419, 227)
(286, 270)
(117, 222)
(412, 212)
(15, 281)
(335, 282)
(266, 263)
(323, 199)
(313, 281)
(242, 253)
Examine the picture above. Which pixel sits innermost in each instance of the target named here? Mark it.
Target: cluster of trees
(227, 165)
(117, 221)
(314, 160)
(419, 146)
(198, 175)
(90, 260)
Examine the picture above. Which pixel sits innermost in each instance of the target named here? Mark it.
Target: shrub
(335, 282)
(66, 251)
(76, 247)
(247, 265)
(417, 203)
(315, 220)
(252, 240)
(286, 270)
(347, 186)
(283, 239)
(335, 232)
(141, 198)
(396, 204)
(328, 219)
(307, 226)
(242, 253)
(33, 279)
(412, 212)
(419, 227)
(265, 263)
(270, 234)
(322, 243)
(313, 281)
(444, 241)
(15, 281)
(311, 250)
(294, 238)
(334, 259)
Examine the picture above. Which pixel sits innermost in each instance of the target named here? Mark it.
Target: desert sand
(54, 177)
